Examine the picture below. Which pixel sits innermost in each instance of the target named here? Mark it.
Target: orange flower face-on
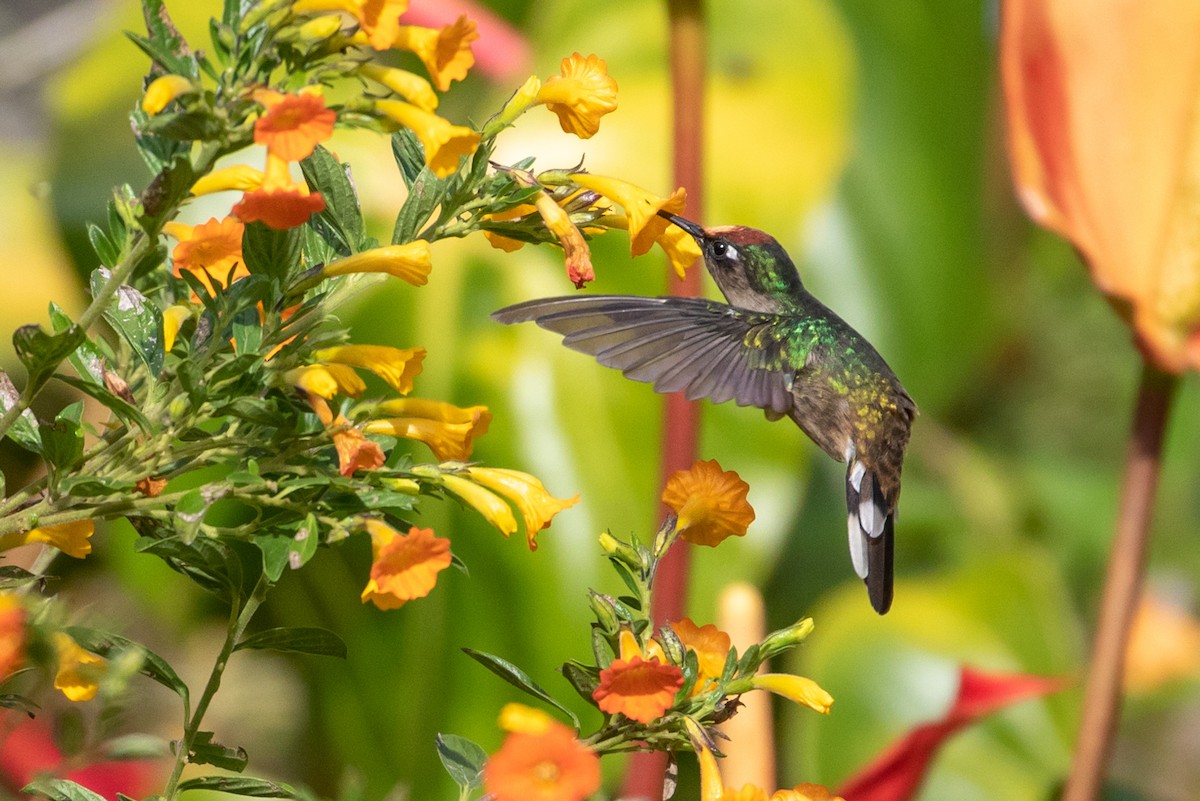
(581, 95)
(1101, 103)
(710, 502)
(548, 766)
(405, 566)
(293, 124)
(639, 684)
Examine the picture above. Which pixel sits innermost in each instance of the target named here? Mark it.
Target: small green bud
(178, 408)
(605, 611)
(779, 641)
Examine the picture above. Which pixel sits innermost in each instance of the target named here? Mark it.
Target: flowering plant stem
(239, 620)
(1122, 585)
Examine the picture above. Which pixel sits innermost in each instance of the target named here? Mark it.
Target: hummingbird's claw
(687, 225)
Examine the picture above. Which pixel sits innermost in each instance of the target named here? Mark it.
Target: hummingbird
(774, 346)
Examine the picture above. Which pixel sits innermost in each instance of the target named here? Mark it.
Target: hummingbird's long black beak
(687, 225)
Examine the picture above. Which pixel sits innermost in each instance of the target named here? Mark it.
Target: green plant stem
(238, 622)
(1122, 586)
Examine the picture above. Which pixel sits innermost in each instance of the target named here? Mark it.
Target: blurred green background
(868, 137)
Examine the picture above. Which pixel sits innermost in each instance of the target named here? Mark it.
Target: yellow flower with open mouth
(79, 670)
(404, 566)
(581, 95)
(445, 143)
(449, 431)
(537, 506)
(397, 366)
(445, 52)
(645, 225)
(710, 502)
(378, 20)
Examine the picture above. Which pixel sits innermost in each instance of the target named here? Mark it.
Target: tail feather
(871, 531)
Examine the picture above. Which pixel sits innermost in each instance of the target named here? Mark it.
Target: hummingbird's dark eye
(723, 250)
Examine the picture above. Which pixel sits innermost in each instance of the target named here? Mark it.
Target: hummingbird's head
(751, 269)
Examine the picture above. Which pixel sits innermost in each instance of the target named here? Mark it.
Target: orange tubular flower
(293, 124)
(79, 671)
(558, 222)
(12, 633)
(637, 687)
(405, 566)
(1101, 102)
(546, 764)
(397, 366)
(445, 144)
(410, 262)
(537, 506)
(645, 226)
(581, 95)
(711, 646)
(211, 251)
(445, 52)
(355, 452)
(280, 202)
(710, 502)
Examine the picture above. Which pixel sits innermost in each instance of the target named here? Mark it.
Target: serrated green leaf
(270, 252)
(60, 790)
(165, 38)
(41, 353)
(425, 190)
(153, 666)
(519, 679)
(240, 785)
(463, 759)
(342, 214)
(296, 639)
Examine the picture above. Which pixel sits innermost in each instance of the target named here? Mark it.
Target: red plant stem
(644, 777)
(1122, 587)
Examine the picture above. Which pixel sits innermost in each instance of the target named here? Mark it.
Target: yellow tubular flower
(575, 249)
(516, 717)
(445, 144)
(70, 538)
(238, 178)
(397, 366)
(493, 509)
(450, 442)
(411, 87)
(680, 246)
(645, 226)
(795, 688)
(410, 262)
(318, 29)
(173, 319)
(79, 671)
(478, 416)
(163, 90)
(536, 504)
(581, 95)
(378, 20)
(445, 52)
(326, 380)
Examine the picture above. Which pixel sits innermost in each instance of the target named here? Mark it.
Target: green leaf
(153, 665)
(87, 359)
(206, 752)
(342, 217)
(425, 190)
(519, 679)
(463, 759)
(584, 678)
(106, 251)
(94, 486)
(62, 439)
(135, 318)
(12, 577)
(296, 639)
(41, 353)
(270, 252)
(60, 790)
(24, 430)
(227, 568)
(126, 411)
(240, 785)
(165, 37)
(18, 702)
(304, 544)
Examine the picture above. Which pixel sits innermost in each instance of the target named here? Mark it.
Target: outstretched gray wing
(699, 347)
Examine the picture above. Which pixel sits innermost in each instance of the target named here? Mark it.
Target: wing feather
(697, 346)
